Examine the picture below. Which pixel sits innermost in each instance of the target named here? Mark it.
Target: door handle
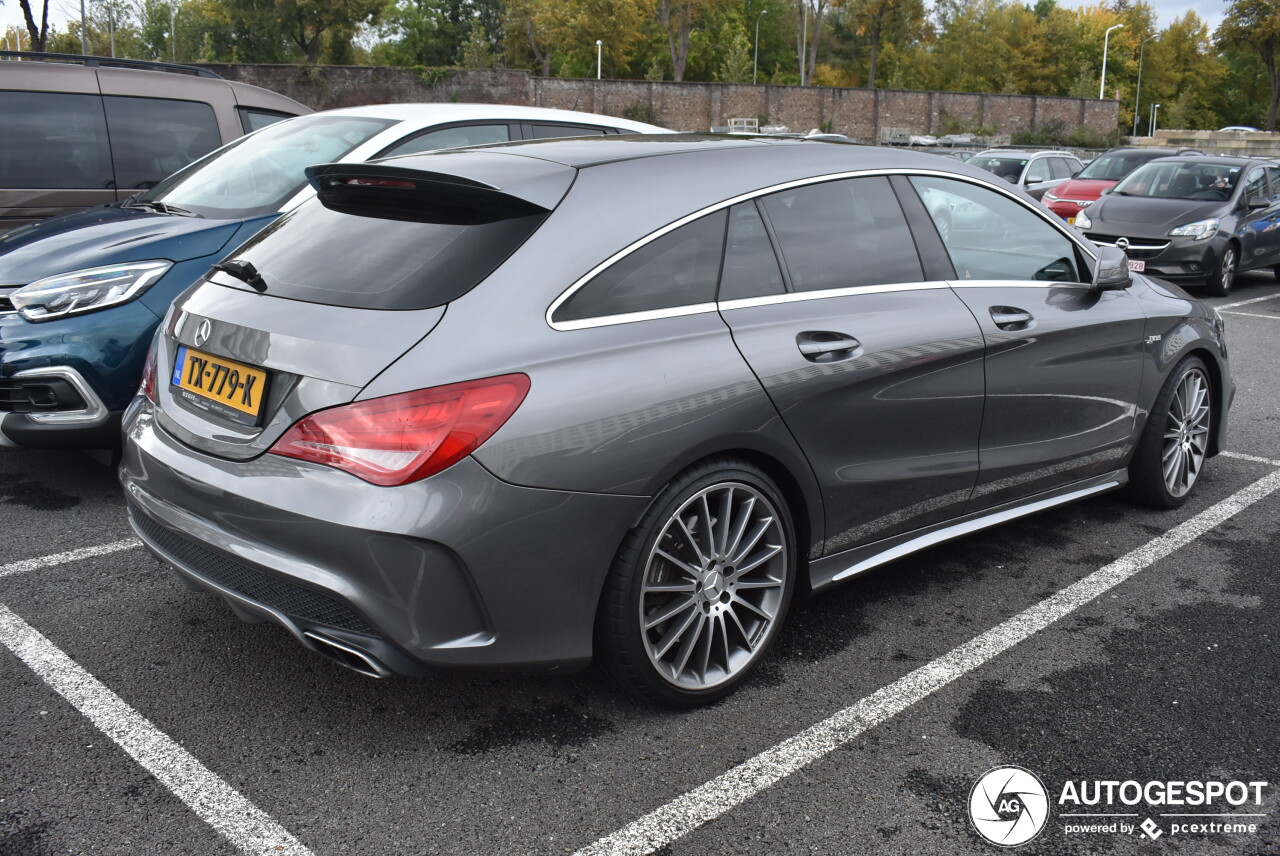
(1011, 318)
(822, 346)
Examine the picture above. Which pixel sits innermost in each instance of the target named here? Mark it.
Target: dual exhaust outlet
(347, 655)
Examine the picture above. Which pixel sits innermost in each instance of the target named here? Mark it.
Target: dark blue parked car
(81, 295)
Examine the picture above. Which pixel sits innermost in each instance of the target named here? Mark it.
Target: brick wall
(859, 113)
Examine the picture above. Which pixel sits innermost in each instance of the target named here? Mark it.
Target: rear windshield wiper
(245, 272)
(162, 207)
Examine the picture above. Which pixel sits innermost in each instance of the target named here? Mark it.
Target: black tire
(646, 661)
(1224, 275)
(1149, 483)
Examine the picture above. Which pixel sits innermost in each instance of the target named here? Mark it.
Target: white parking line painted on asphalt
(242, 823)
(1253, 315)
(686, 813)
(1240, 456)
(69, 556)
(1247, 302)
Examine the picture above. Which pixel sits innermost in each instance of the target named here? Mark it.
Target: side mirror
(1256, 203)
(1034, 178)
(1113, 270)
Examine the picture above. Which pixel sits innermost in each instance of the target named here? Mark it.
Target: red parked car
(1102, 173)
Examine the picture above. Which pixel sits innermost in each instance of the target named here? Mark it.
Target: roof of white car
(434, 113)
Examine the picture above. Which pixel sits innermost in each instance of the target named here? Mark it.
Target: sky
(1166, 10)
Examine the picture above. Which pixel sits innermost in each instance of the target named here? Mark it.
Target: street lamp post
(755, 63)
(84, 27)
(1137, 98)
(1106, 43)
(599, 46)
(1155, 118)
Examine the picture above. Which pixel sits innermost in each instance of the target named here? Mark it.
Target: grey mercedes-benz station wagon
(624, 398)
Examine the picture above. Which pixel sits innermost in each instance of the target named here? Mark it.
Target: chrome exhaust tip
(347, 655)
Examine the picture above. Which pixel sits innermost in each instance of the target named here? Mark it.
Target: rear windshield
(320, 255)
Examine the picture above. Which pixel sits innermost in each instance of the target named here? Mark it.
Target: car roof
(1220, 160)
(1023, 153)
(438, 113)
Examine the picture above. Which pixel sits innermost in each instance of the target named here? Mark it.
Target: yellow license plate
(1071, 221)
(226, 387)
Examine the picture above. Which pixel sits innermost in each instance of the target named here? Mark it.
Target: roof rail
(108, 62)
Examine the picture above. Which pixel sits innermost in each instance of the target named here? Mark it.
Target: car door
(1063, 361)
(1258, 232)
(876, 371)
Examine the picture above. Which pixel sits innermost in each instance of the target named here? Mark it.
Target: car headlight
(1083, 221)
(1200, 230)
(86, 290)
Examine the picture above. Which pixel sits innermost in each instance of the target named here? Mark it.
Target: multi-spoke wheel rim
(713, 586)
(1228, 268)
(1186, 433)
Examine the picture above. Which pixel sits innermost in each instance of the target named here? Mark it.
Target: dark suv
(81, 131)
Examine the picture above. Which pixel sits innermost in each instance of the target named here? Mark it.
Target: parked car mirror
(1257, 202)
(1113, 270)
(1034, 178)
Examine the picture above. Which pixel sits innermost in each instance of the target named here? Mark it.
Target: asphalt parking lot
(1092, 642)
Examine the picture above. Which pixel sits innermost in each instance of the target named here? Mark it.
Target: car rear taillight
(148, 386)
(406, 437)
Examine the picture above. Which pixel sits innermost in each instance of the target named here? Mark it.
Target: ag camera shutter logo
(1009, 806)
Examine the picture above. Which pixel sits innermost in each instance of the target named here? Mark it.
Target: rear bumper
(458, 570)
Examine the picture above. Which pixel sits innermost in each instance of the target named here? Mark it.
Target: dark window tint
(750, 266)
(546, 132)
(252, 120)
(678, 269)
(843, 233)
(154, 137)
(322, 255)
(990, 236)
(53, 140)
(447, 138)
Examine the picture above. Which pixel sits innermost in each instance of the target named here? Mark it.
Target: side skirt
(841, 566)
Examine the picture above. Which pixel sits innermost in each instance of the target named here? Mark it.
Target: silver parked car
(526, 405)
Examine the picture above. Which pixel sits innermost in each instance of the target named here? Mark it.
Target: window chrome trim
(632, 317)
(1040, 211)
(1018, 283)
(851, 291)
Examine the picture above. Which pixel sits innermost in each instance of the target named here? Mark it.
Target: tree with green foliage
(1255, 24)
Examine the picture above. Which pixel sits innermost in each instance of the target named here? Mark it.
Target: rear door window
(841, 234)
(54, 140)
(678, 269)
(151, 138)
(750, 265)
(447, 138)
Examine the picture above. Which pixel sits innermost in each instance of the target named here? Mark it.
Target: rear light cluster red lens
(403, 438)
(148, 386)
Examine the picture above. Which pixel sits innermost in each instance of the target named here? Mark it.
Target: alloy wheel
(714, 586)
(1186, 433)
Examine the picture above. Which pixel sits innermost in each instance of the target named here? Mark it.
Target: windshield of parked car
(259, 173)
(1114, 167)
(1181, 180)
(1006, 168)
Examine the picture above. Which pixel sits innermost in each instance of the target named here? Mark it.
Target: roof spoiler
(397, 193)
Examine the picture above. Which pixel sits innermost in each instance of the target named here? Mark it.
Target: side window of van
(152, 138)
(53, 140)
